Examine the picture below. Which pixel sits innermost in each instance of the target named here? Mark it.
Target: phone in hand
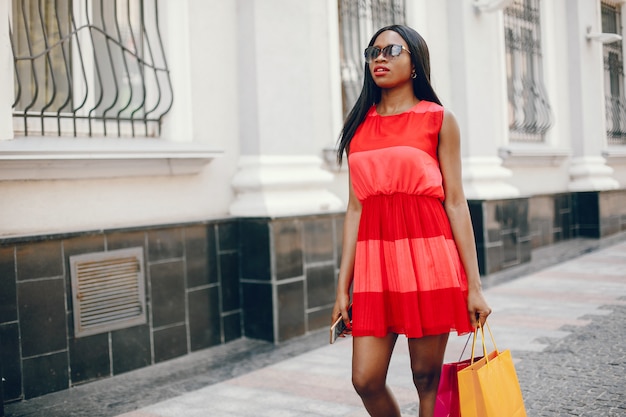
(339, 327)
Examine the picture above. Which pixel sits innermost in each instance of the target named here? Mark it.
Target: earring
(413, 74)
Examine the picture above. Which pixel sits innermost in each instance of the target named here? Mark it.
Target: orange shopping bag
(489, 386)
(447, 402)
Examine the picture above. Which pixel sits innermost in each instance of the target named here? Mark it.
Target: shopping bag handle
(482, 332)
(465, 346)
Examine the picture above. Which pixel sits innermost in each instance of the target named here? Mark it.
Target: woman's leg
(426, 359)
(370, 363)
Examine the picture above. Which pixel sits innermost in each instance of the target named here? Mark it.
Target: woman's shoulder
(430, 106)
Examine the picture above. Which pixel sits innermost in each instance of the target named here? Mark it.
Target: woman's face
(389, 71)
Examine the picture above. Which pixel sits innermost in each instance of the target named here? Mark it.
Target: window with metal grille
(108, 291)
(614, 77)
(530, 115)
(88, 68)
(358, 21)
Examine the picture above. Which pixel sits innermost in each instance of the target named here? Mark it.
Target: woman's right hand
(341, 309)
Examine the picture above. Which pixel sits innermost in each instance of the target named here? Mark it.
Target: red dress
(408, 277)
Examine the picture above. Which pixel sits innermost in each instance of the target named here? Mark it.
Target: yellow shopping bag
(489, 386)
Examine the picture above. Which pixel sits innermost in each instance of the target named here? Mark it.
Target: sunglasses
(372, 52)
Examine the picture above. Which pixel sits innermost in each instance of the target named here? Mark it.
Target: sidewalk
(563, 324)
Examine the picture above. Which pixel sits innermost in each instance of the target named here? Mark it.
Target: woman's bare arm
(346, 269)
(455, 204)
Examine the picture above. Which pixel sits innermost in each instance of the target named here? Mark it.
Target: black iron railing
(530, 115)
(615, 121)
(615, 103)
(89, 67)
(358, 21)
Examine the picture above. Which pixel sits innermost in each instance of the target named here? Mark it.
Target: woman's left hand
(477, 307)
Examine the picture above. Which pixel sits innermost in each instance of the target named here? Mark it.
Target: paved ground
(564, 325)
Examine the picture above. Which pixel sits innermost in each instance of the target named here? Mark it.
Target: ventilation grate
(108, 291)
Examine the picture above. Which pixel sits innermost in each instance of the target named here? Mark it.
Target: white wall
(261, 78)
(196, 34)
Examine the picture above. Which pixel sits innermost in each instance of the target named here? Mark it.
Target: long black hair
(370, 94)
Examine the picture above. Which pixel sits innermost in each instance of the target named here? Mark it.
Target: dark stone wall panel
(8, 289)
(42, 316)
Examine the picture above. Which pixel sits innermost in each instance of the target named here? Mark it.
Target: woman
(408, 251)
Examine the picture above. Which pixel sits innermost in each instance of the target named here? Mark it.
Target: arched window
(88, 68)
(614, 76)
(530, 115)
(358, 21)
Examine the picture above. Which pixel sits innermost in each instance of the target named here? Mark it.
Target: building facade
(186, 150)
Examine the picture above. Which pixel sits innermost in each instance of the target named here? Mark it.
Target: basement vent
(108, 291)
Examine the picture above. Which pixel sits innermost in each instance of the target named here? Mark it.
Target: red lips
(380, 70)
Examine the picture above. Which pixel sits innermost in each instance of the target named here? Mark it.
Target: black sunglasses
(372, 52)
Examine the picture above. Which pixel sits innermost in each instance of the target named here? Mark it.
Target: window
(358, 21)
(614, 77)
(530, 115)
(88, 68)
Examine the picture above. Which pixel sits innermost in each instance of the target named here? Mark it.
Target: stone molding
(282, 185)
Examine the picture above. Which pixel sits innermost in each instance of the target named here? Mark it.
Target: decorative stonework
(268, 186)
(484, 178)
(590, 173)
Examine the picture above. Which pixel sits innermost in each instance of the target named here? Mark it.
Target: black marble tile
(542, 220)
(610, 208)
(125, 240)
(39, 260)
(82, 244)
(131, 349)
(204, 318)
(319, 319)
(45, 374)
(79, 245)
(494, 259)
(258, 313)
(291, 313)
(318, 239)
(89, 358)
(339, 222)
(8, 292)
(212, 254)
(167, 298)
(165, 244)
(229, 271)
(564, 222)
(543, 232)
(510, 248)
(196, 256)
(228, 235)
(588, 214)
(42, 316)
(288, 254)
(320, 285)
(521, 213)
(477, 215)
(481, 255)
(254, 243)
(494, 235)
(565, 215)
(232, 326)
(10, 360)
(525, 250)
(506, 214)
(170, 343)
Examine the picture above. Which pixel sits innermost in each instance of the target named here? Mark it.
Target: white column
(286, 101)
(588, 170)
(468, 73)
(6, 73)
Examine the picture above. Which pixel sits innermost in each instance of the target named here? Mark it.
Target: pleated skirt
(408, 276)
